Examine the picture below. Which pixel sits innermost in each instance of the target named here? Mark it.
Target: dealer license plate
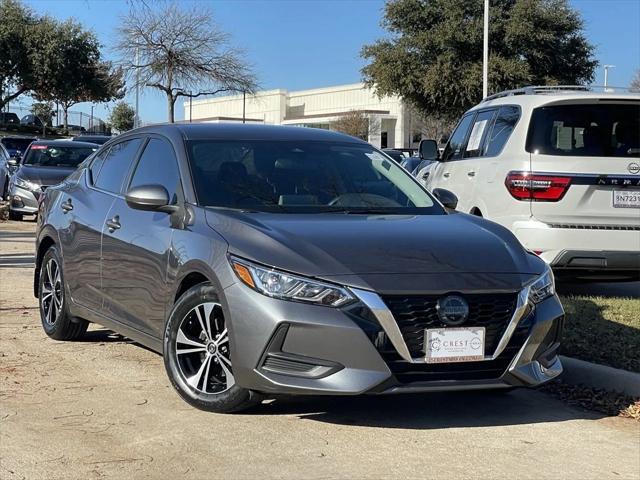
(446, 345)
(626, 198)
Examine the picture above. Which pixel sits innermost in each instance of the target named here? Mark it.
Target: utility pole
(485, 52)
(606, 74)
(136, 119)
(190, 105)
(244, 105)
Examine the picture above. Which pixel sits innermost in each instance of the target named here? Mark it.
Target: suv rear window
(596, 130)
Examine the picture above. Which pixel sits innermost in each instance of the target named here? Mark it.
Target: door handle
(66, 206)
(471, 173)
(446, 175)
(114, 224)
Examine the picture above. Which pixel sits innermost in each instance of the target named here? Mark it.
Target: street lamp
(485, 52)
(606, 74)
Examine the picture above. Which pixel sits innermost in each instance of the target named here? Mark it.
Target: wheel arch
(44, 244)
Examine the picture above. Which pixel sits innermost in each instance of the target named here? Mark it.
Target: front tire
(15, 216)
(54, 312)
(197, 354)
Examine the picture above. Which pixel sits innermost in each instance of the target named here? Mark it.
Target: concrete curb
(600, 376)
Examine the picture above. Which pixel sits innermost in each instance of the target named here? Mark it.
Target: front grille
(415, 314)
(412, 373)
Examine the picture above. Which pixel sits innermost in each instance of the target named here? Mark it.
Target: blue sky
(298, 44)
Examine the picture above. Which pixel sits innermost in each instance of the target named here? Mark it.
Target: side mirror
(153, 198)
(428, 150)
(446, 198)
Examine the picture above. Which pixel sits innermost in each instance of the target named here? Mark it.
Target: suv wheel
(54, 312)
(197, 354)
(15, 216)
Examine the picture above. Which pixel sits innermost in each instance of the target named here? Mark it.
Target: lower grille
(414, 314)
(406, 372)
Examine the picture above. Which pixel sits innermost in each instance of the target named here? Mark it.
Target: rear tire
(196, 354)
(52, 298)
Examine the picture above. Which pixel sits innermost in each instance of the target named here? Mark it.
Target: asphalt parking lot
(103, 408)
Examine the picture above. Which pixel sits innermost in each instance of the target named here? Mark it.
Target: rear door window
(455, 148)
(506, 121)
(116, 165)
(594, 130)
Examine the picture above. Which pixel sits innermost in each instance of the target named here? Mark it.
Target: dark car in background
(6, 166)
(262, 260)
(44, 164)
(97, 139)
(9, 121)
(16, 145)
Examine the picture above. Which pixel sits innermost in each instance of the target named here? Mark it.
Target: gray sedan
(262, 260)
(45, 163)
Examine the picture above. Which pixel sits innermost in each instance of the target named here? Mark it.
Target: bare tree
(182, 53)
(357, 124)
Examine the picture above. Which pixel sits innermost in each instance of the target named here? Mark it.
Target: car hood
(361, 249)
(46, 176)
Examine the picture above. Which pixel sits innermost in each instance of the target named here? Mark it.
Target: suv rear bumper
(590, 248)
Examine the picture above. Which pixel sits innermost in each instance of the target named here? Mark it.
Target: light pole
(244, 105)
(606, 74)
(485, 52)
(136, 119)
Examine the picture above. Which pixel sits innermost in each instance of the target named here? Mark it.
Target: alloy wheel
(52, 294)
(202, 349)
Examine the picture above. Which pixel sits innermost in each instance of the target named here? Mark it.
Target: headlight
(22, 183)
(543, 287)
(273, 283)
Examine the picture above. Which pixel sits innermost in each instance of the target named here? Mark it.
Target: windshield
(303, 177)
(586, 130)
(20, 144)
(57, 156)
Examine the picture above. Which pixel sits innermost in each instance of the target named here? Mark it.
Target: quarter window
(158, 166)
(506, 121)
(116, 165)
(96, 165)
(481, 127)
(455, 147)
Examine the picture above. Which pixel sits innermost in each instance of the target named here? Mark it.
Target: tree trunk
(171, 103)
(65, 110)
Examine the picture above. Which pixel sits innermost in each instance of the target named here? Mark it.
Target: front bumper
(282, 347)
(23, 201)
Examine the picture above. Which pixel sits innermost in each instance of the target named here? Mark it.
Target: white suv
(559, 167)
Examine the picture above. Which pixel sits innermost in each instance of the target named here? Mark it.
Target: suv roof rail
(548, 89)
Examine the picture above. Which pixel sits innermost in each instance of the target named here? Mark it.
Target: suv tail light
(538, 188)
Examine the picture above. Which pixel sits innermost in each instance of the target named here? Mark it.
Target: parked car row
(14, 151)
(266, 260)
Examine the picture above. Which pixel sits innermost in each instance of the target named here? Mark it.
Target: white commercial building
(389, 118)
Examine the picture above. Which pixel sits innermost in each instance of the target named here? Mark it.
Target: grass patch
(603, 330)
(609, 403)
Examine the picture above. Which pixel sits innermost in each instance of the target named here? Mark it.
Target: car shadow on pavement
(104, 335)
(430, 410)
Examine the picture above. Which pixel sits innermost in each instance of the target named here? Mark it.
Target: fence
(77, 122)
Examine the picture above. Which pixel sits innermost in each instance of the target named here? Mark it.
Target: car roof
(65, 143)
(532, 97)
(239, 131)
(17, 137)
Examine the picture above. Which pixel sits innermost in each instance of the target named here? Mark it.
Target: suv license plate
(448, 345)
(626, 198)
